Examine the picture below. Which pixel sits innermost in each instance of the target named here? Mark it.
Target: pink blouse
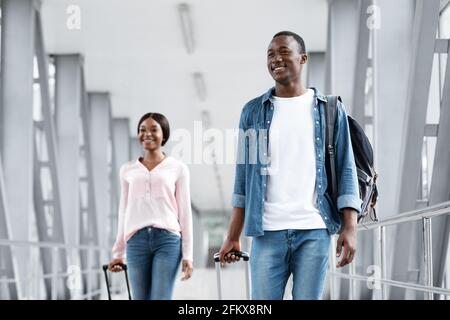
(158, 198)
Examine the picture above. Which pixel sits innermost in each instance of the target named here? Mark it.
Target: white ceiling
(135, 50)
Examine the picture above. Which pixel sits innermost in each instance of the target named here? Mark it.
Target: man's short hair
(301, 43)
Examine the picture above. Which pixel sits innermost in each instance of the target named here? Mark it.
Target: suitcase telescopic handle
(125, 269)
(240, 254)
(244, 256)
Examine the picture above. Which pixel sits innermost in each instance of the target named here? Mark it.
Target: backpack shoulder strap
(330, 116)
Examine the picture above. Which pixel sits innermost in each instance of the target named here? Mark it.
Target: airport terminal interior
(77, 75)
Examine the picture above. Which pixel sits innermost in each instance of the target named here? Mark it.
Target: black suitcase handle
(240, 254)
(125, 269)
(244, 256)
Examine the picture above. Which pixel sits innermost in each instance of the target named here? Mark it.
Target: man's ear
(303, 58)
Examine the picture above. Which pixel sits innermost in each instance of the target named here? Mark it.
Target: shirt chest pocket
(256, 143)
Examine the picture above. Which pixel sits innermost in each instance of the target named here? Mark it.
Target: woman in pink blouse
(155, 217)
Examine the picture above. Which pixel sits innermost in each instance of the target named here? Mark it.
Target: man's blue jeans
(153, 257)
(277, 254)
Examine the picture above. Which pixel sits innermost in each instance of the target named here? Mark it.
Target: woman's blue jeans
(277, 254)
(153, 257)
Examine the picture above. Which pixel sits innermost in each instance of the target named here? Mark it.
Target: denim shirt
(253, 161)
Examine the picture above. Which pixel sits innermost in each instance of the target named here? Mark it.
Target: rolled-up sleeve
(348, 191)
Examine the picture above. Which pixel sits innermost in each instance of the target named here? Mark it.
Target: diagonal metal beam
(6, 259)
(440, 184)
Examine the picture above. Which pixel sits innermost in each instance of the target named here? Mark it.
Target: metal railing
(81, 282)
(31, 284)
(425, 215)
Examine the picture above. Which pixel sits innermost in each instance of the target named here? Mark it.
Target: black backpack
(363, 154)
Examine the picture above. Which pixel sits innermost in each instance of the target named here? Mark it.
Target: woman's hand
(115, 265)
(186, 269)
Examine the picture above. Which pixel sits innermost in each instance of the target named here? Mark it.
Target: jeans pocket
(170, 234)
(138, 235)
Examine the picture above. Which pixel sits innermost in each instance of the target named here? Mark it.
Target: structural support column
(135, 147)
(342, 48)
(361, 63)
(392, 55)
(423, 42)
(16, 121)
(89, 229)
(100, 139)
(122, 154)
(391, 62)
(315, 73)
(121, 128)
(68, 127)
(347, 50)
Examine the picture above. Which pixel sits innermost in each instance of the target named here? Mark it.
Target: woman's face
(150, 134)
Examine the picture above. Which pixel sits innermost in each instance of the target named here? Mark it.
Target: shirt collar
(317, 94)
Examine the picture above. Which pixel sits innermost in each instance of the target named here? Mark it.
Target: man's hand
(227, 247)
(232, 242)
(347, 238)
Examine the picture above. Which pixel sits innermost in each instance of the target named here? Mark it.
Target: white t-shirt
(291, 196)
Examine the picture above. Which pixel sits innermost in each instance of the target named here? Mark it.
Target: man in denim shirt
(280, 192)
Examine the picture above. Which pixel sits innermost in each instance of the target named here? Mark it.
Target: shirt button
(268, 121)
(319, 155)
(320, 186)
(319, 170)
(326, 218)
(317, 139)
(317, 122)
